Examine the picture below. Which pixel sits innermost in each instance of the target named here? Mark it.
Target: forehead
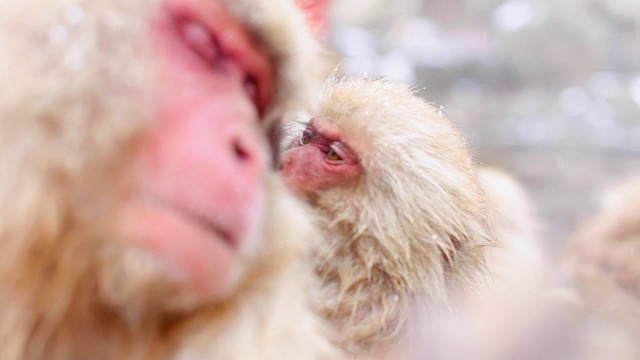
(328, 128)
(334, 129)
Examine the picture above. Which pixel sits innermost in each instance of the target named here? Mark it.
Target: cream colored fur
(518, 264)
(411, 229)
(603, 256)
(78, 92)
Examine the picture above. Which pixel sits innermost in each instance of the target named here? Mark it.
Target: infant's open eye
(306, 138)
(332, 155)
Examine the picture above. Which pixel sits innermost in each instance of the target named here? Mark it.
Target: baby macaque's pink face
(320, 159)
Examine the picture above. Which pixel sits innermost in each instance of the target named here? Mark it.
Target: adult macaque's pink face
(201, 204)
(320, 159)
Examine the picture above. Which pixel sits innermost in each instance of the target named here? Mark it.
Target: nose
(241, 152)
(235, 179)
(217, 160)
(246, 154)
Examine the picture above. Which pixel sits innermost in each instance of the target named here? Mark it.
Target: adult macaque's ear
(316, 12)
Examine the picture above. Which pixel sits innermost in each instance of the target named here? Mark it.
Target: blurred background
(548, 90)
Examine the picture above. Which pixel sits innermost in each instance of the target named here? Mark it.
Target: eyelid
(307, 134)
(346, 153)
(201, 41)
(336, 146)
(333, 150)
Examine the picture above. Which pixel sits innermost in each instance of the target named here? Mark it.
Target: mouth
(217, 42)
(203, 223)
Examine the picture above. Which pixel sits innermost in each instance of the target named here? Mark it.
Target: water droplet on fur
(434, 237)
(74, 15)
(74, 60)
(115, 20)
(57, 35)
(395, 298)
(330, 303)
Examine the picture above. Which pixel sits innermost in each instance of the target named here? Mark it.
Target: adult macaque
(140, 217)
(405, 218)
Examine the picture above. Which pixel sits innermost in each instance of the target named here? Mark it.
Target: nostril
(251, 87)
(241, 153)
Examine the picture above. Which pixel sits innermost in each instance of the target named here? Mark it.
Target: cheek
(203, 269)
(199, 205)
(196, 218)
(200, 202)
(299, 169)
(305, 170)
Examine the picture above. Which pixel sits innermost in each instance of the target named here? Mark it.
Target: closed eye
(201, 42)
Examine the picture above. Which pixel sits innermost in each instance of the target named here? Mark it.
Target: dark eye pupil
(332, 155)
(306, 138)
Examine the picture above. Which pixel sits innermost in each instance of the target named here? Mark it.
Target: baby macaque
(406, 220)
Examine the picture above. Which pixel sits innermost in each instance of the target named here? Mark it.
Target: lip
(207, 225)
(202, 222)
(233, 42)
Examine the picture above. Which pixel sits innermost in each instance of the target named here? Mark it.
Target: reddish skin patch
(309, 165)
(201, 199)
(316, 12)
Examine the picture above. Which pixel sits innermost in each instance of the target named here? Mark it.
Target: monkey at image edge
(145, 221)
